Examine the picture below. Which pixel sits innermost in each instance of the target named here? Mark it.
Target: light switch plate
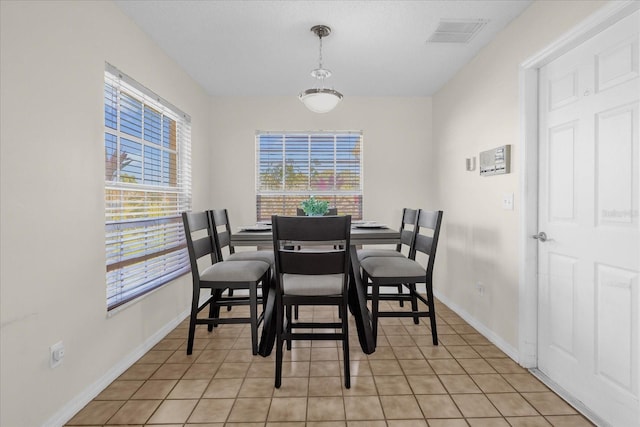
(507, 201)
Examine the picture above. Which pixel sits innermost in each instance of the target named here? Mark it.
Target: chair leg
(296, 311)
(279, 330)
(212, 309)
(230, 294)
(345, 345)
(432, 313)
(289, 320)
(400, 292)
(253, 310)
(192, 320)
(414, 302)
(375, 298)
(264, 294)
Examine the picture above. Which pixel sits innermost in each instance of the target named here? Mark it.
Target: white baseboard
(577, 404)
(80, 401)
(495, 339)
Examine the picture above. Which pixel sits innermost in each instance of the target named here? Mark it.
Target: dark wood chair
(317, 274)
(300, 212)
(403, 249)
(222, 234)
(393, 271)
(219, 276)
(409, 218)
(222, 239)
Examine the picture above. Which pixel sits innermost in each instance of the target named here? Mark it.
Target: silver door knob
(541, 236)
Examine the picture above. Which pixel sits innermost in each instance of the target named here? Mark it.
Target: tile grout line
(455, 352)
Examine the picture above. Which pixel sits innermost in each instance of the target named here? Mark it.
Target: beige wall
(475, 111)
(397, 149)
(52, 200)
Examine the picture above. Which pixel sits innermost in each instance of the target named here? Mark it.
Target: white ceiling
(258, 48)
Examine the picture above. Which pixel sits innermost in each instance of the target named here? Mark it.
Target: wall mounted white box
(496, 161)
(56, 354)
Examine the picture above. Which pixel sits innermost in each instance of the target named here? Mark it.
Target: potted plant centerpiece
(315, 207)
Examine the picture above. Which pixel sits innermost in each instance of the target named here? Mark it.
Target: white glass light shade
(320, 100)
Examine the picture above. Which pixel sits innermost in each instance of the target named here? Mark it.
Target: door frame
(606, 16)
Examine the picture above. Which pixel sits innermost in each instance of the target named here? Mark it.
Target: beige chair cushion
(236, 271)
(366, 253)
(264, 256)
(312, 285)
(392, 267)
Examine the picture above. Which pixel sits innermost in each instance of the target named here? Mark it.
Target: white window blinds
(291, 167)
(147, 145)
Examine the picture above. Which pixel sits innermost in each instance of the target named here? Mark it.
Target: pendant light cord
(320, 56)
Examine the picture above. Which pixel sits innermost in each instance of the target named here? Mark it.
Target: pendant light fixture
(320, 100)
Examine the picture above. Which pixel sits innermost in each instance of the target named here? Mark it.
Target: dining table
(362, 233)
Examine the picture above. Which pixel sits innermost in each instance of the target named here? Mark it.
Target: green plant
(314, 207)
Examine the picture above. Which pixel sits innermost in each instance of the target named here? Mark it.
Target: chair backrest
(197, 230)
(323, 242)
(221, 231)
(427, 234)
(330, 212)
(409, 217)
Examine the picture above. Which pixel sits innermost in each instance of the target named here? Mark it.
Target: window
(291, 167)
(147, 145)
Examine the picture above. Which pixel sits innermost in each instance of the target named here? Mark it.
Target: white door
(589, 266)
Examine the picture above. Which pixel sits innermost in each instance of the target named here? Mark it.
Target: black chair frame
(331, 234)
(422, 243)
(300, 212)
(222, 239)
(205, 246)
(409, 216)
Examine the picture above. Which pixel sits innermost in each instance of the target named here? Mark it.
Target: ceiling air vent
(457, 31)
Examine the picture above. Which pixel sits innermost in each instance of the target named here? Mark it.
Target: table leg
(269, 330)
(358, 305)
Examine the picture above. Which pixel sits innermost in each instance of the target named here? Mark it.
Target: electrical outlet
(56, 354)
(480, 288)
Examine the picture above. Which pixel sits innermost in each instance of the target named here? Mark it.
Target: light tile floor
(464, 381)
